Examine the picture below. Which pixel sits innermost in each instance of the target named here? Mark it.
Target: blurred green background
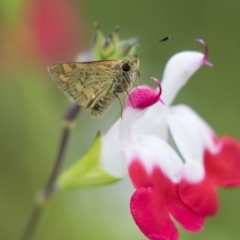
(37, 33)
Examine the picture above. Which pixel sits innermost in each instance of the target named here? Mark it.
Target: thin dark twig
(68, 118)
(32, 222)
(49, 188)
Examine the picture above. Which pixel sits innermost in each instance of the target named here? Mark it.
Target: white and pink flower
(170, 184)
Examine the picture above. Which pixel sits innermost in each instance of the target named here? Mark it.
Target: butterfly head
(130, 65)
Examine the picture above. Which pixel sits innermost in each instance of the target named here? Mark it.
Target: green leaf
(87, 171)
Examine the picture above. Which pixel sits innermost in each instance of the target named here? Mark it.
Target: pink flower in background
(46, 30)
(169, 183)
(56, 29)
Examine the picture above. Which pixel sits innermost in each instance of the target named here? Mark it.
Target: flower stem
(49, 188)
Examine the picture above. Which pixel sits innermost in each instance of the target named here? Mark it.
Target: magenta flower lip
(144, 96)
(205, 61)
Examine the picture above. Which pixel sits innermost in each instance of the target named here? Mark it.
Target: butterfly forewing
(83, 83)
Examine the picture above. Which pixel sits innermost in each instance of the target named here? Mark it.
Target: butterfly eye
(126, 67)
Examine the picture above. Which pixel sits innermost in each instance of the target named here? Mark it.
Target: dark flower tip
(144, 96)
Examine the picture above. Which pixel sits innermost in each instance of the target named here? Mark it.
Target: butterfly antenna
(144, 49)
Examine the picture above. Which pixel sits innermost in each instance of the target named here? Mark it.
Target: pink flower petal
(189, 219)
(56, 29)
(200, 197)
(156, 198)
(148, 206)
(151, 216)
(223, 166)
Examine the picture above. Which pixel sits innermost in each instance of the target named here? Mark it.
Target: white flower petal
(150, 121)
(112, 158)
(192, 136)
(129, 117)
(178, 70)
(153, 151)
(153, 121)
(193, 172)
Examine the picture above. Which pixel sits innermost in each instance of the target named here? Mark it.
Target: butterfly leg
(119, 101)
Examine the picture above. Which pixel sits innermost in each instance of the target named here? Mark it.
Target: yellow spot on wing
(89, 92)
(63, 78)
(79, 87)
(79, 65)
(67, 68)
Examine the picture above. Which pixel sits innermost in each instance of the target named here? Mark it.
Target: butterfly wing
(102, 103)
(87, 83)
